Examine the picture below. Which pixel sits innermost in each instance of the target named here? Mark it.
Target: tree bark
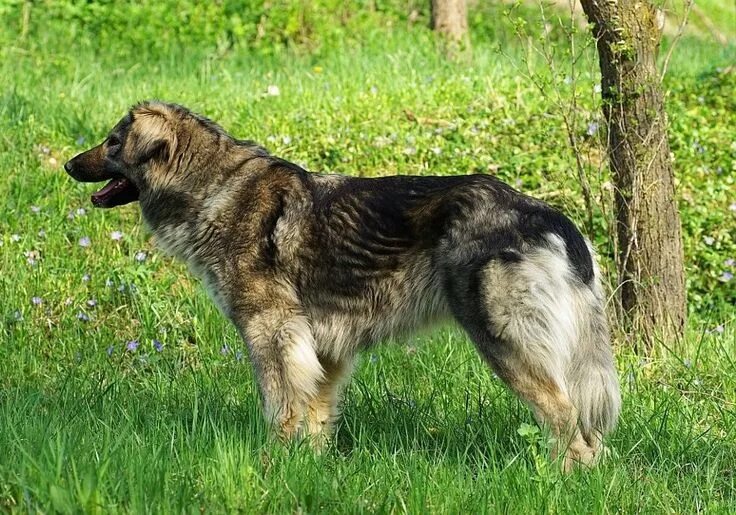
(650, 255)
(450, 19)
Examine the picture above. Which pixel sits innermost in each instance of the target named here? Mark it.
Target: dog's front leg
(323, 408)
(286, 365)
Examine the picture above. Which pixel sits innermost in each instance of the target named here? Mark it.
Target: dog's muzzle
(90, 166)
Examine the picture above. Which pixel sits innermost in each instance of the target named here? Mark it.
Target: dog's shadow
(478, 430)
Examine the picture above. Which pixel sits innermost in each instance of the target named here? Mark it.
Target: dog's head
(136, 156)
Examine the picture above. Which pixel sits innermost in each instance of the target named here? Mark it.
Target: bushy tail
(591, 374)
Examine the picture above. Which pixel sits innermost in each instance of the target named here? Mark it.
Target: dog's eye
(113, 142)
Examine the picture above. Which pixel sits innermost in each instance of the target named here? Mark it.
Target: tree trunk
(650, 255)
(450, 19)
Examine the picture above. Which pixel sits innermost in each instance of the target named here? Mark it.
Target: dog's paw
(581, 456)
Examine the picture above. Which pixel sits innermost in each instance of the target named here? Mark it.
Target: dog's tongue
(115, 193)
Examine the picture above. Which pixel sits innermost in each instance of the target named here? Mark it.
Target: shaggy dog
(313, 268)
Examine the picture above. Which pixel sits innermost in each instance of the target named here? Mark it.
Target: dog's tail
(591, 373)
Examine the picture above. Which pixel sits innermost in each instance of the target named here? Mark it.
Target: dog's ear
(152, 137)
(157, 149)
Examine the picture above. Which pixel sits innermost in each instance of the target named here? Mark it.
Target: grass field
(122, 389)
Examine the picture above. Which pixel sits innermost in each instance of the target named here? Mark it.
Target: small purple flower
(725, 277)
(730, 262)
(592, 128)
(121, 288)
(109, 283)
(85, 278)
(41, 233)
(700, 149)
(68, 301)
(35, 209)
(84, 317)
(17, 316)
(37, 301)
(109, 350)
(158, 345)
(116, 235)
(140, 256)
(92, 303)
(132, 345)
(708, 240)
(373, 358)
(687, 363)
(225, 350)
(239, 356)
(15, 238)
(84, 241)
(80, 140)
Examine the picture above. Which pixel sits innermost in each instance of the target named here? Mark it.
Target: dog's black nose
(68, 166)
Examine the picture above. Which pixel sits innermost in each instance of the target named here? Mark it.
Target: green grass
(425, 425)
(425, 429)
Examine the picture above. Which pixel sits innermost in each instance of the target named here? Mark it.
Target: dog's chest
(173, 239)
(215, 291)
(176, 240)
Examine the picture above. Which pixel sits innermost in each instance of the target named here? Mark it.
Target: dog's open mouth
(117, 192)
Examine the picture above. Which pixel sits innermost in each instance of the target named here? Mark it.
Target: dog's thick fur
(313, 268)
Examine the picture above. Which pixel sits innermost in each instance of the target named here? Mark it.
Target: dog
(313, 268)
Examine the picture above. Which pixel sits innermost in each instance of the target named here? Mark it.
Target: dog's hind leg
(528, 317)
(323, 408)
(540, 387)
(289, 373)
